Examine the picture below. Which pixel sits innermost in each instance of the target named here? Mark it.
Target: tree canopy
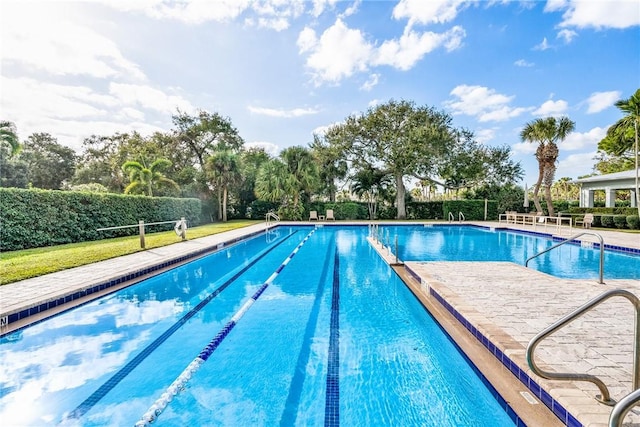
(405, 141)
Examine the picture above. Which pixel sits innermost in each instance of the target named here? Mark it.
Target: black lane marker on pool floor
(332, 404)
(90, 402)
(290, 412)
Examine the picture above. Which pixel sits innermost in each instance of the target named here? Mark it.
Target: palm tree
(631, 107)
(8, 134)
(303, 170)
(273, 182)
(144, 179)
(546, 132)
(369, 184)
(286, 180)
(224, 170)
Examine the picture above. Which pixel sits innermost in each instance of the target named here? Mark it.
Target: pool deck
(501, 303)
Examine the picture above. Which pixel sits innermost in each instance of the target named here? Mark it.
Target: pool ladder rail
(570, 239)
(270, 218)
(452, 217)
(624, 405)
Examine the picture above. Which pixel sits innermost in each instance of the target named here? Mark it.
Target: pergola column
(632, 193)
(586, 198)
(610, 197)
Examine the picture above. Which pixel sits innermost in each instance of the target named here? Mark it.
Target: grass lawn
(19, 265)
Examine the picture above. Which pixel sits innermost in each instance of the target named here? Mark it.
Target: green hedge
(473, 210)
(618, 217)
(35, 218)
(606, 211)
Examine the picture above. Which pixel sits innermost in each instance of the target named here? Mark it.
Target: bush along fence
(618, 218)
(472, 210)
(35, 218)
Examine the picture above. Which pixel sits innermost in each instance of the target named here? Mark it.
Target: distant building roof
(608, 177)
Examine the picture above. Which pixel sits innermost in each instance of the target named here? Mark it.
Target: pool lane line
(179, 384)
(332, 402)
(290, 412)
(95, 397)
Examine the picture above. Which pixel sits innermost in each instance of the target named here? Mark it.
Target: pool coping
(51, 304)
(48, 304)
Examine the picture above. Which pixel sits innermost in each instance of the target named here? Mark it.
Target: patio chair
(330, 216)
(313, 215)
(586, 221)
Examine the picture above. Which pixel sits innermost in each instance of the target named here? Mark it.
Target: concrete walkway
(73, 285)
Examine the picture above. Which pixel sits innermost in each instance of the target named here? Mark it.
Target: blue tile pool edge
(6, 319)
(554, 406)
(615, 248)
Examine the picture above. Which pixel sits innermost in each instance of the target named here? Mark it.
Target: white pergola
(610, 183)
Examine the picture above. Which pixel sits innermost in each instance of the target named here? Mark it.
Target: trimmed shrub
(473, 210)
(633, 222)
(607, 221)
(424, 210)
(259, 209)
(35, 218)
(620, 221)
(348, 210)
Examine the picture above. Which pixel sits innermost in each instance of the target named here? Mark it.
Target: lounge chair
(586, 221)
(313, 215)
(330, 215)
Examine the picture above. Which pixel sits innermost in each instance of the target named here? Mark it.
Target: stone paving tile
(521, 302)
(28, 293)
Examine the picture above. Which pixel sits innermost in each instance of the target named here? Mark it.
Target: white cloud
(567, 35)
(268, 147)
(412, 46)
(351, 9)
(72, 113)
(551, 108)
(523, 63)
(307, 40)
(599, 101)
(273, 112)
(373, 103)
(371, 82)
(581, 140)
(485, 135)
(575, 165)
(428, 12)
(320, 5)
(524, 148)
(43, 38)
(544, 45)
(597, 14)
(187, 11)
(339, 53)
(483, 103)
(148, 97)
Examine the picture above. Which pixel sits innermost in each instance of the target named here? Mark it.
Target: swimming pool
(335, 338)
(471, 243)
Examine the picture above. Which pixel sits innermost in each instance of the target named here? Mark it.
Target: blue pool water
(336, 338)
(464, 243)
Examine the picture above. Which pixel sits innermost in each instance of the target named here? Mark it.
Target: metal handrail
(569, 239)
(269, 216)
(461, 216)
(452, 217)
(622, 407)
(605, 397)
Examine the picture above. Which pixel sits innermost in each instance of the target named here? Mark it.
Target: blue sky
(284, 69)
